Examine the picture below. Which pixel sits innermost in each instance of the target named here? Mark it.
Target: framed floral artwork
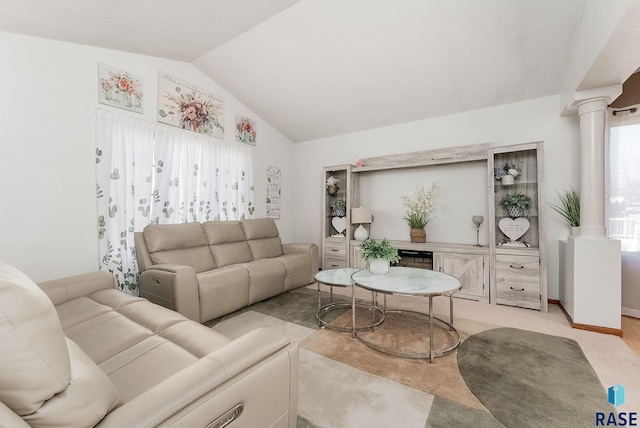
(119, 88)
(246, 130)
(187, 106)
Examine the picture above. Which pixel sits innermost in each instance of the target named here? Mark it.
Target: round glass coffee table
(342, 278)
(408, 281)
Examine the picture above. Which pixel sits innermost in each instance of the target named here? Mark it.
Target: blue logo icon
(616, 395)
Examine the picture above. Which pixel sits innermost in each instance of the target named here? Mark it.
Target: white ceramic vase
(507, 180)
(379, 266)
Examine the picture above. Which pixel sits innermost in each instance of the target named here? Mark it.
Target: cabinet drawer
(333, 250)
(331, 263)
(518, 281)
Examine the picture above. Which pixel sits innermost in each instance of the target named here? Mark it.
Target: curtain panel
(152, 173)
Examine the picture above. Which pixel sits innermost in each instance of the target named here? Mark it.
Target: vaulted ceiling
(318, 68)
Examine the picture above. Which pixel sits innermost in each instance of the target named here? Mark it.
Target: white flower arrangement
(332, 181)
(419, 208)
(507, 169)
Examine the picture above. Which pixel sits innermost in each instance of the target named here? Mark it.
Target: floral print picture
(119, 88)
(186, 106)
(246, 131)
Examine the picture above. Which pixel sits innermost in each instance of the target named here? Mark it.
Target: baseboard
(553, 301)
(594, 328)
(635, 313)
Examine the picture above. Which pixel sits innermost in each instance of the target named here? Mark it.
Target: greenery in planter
(568, 207)
(338, 205)
(372, 249)
(518, 200)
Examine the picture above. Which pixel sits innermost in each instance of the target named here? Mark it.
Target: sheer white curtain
(623, 179)
(152, 173)
(623, 200)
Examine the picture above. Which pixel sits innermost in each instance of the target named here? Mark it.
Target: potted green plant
(568, 207)
(379, 254)
(516, 203)
(338, 208)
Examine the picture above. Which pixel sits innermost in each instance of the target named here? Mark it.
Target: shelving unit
(513, 274)
(335, 245)
(518, 274)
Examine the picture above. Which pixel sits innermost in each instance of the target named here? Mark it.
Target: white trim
(631, 312)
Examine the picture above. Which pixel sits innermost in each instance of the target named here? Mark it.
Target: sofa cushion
(227, 242)
(259, 228)
(128, 336)
(263, 238)
(267, 279)
(221, 232)
(223, 291)
(38, 365)
(181, 244)
(298, 270)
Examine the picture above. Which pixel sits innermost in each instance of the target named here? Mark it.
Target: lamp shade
(360, 215)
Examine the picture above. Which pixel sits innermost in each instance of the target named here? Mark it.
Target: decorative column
(591, 263)
(592, 142)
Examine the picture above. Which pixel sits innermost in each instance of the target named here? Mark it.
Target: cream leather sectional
(207, 270)
(77, 352)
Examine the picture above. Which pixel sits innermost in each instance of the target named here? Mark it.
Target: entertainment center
(511, 270)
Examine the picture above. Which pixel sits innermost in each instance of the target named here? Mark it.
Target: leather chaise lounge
(207, 270)
(77, 352)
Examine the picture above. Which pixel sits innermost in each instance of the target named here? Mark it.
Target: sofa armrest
(65, 289)
(311, 249)
(258, 370)
(174, 287)
(297, 248)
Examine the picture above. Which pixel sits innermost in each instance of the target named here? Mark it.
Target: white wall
(461, 191)
(47, 149)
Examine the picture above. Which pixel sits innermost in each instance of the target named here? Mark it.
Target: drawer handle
(517, 289)
(516, 266)
(335, 265)
(335, 250)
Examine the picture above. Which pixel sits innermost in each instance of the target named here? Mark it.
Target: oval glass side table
(408, 281)
(342, 278)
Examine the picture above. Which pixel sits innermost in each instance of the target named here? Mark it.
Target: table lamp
(360, 216)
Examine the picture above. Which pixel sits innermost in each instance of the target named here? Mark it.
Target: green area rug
(528, 379)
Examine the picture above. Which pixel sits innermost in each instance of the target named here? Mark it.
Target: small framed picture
(246, 131)
(119, 88)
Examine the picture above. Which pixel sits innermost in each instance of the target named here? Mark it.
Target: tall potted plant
(379, 254)
(419, 210)
(569, 208)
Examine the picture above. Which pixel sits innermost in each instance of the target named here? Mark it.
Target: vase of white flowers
(332, 185)
(419, 210)
(507, 174)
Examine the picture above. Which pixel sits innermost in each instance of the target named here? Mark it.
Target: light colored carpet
(333, 394)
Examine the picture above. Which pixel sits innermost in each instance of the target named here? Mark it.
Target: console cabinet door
(357, 262)
(468, 268)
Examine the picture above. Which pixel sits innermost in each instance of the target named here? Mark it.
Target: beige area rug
(404, 332)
